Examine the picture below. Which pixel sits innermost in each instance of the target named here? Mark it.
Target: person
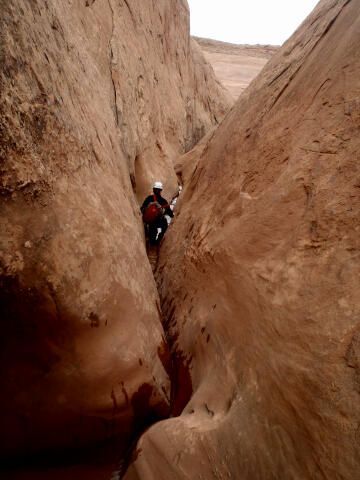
(160, 222)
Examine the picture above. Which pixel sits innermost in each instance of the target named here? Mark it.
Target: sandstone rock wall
(261, 295)
(166, 94)
(96, 99)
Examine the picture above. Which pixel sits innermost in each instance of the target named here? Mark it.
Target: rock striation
(235, 65)
(261, 295)
(96, 100)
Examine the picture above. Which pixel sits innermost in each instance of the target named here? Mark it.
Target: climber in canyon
(154, 209)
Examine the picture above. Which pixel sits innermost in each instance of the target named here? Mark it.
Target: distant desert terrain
(235, 65)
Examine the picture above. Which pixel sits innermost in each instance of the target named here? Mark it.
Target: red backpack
(153, 211)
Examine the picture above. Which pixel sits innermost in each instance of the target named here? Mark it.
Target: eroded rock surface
(259, 275)
(167, 96)
(97, 97)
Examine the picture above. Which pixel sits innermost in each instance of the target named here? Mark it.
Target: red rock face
(263, 288)
(82, 134)
(167, 96)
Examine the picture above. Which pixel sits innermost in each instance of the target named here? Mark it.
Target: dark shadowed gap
(176, 365)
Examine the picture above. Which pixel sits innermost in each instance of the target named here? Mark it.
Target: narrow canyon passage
(262, 291)
(96, 100)
(242, 359)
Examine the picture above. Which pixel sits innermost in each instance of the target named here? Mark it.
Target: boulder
(259, 275)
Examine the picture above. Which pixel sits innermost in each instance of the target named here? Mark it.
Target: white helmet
(158, 185)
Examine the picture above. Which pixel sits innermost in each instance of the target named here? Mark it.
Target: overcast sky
(248, 21)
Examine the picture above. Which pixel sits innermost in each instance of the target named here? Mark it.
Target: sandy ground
(235, 65)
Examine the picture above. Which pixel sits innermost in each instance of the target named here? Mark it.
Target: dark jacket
(160, 200)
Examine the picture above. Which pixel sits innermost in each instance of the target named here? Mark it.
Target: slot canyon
(235, 353)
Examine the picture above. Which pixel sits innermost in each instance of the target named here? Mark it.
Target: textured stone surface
(97, 97)
(235, 65)
(167, 96)
(262, 293)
